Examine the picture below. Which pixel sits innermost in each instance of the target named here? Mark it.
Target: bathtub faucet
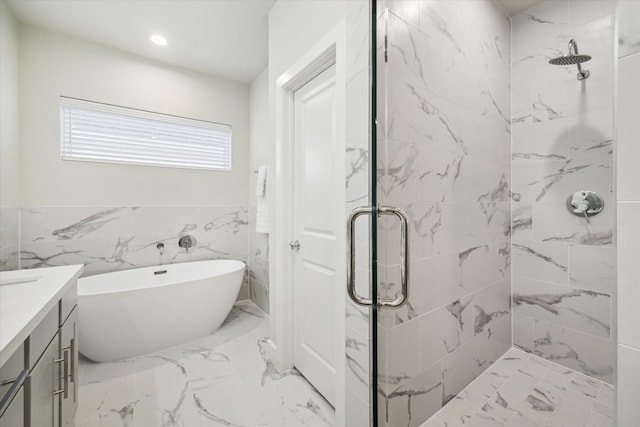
(160, 247)
(187, 242)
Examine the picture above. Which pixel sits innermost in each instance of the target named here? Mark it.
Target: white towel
(262, 204)
(261, 182)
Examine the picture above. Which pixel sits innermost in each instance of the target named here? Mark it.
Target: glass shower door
(443, 165)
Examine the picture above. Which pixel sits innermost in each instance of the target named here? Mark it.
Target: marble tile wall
(258, 263)
(444, 158)
(563, 265)
(107, 239)
(9, 238)
(628, 190)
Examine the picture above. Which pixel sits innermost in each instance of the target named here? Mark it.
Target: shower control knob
(585, 203)
(294, 245)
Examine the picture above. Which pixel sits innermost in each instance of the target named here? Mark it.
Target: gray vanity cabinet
(69, 375)
(14, 415)
(39, 382)
(12, 377)
(43, 388)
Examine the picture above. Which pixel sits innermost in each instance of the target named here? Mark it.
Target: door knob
(294, 245)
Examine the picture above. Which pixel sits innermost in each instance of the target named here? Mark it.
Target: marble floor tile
(221, 379)
(524, 390)
(226, 379)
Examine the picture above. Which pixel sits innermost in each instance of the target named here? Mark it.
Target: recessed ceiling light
(159, 40)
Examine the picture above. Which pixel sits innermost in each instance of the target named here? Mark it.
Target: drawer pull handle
(72, 349)
(8, 397)
(72, 355)
(65, 378)
(65, 375)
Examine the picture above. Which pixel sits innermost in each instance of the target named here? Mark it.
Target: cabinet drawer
(42, 335)
(14, 416)
(68, 301)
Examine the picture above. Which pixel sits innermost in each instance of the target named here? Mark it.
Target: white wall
(259, 155)
(52, 65)
(9, 123)
(628, 155)
(9, 141)
(294, 27)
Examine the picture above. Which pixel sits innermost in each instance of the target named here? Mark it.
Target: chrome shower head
(573, 58)
(570, 60)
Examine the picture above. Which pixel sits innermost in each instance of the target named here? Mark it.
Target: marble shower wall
(9, 238)
(444, 158)
(563, 265)
(107, 239)
(628, 191)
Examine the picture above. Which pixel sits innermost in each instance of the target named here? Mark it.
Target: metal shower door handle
(402, 297)
(351, 256)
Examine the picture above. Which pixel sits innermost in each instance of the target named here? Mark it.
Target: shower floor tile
(523, 390)
(221, 379)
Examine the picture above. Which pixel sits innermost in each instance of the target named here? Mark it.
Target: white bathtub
(134, 312)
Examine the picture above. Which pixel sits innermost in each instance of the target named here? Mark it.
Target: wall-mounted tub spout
(160, 247)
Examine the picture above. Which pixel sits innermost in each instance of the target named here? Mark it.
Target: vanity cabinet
(14, 415)
(69, 375)
(46, 365)
(12, 377)
(43, 390)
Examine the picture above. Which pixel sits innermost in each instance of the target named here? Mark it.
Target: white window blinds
(96, 132)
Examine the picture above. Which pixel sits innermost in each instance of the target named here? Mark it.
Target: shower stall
(487, 224)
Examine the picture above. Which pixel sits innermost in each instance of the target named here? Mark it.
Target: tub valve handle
(160, 247)
(187, 242)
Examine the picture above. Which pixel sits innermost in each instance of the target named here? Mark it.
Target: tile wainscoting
(258, 263)
(9, 238)
(107, 239)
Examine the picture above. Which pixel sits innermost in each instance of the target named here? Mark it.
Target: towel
(262, 204)
(261, 183)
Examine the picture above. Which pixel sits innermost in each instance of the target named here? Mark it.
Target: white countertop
(24, 305)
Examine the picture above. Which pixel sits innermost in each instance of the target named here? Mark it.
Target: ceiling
(513, 7)
(226, 38)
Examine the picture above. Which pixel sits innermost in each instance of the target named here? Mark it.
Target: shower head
(573, 58)
(570, 60)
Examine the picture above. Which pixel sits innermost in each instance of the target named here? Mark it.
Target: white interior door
(317, 218)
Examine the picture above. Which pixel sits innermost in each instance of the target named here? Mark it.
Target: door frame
(329, 50)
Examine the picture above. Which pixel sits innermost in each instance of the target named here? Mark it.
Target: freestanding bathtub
(134, 312)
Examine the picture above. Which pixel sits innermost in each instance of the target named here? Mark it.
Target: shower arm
(573, 50)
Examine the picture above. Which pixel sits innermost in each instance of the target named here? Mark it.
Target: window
(96, 132)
